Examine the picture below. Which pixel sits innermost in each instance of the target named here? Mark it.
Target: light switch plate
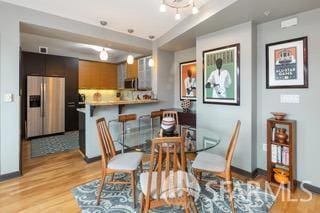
(290, 99)
(8, 98)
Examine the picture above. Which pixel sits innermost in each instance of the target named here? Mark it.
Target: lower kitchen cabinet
(82, 132)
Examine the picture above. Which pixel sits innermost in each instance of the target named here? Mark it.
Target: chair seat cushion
(126, 161)
(167, 184)
(209, 162)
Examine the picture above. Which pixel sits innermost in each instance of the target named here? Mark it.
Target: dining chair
(168, 184)
(220, 166)
(173, 114)
(112, 163)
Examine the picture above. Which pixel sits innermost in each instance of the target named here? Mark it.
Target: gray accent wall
(307, 112)
(222, 118)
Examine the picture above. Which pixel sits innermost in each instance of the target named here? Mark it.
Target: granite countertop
(110, 103)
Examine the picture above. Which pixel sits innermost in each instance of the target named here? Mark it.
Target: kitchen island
(110, 110)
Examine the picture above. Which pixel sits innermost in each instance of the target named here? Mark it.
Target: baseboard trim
(241, 171)
(10, 175)
(91, 160)
(311, 188)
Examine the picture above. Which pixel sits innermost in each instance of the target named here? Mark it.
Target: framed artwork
(188, 85)
(221, 75)
(287, 64)
(190, 135)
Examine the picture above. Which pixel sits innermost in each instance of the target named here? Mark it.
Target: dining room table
(196, 139)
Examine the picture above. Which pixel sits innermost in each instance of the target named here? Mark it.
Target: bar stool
(152, 116)
(124, 118)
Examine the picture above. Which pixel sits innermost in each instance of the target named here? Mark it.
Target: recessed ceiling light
(267, 12)
(130, 31)
(103, 22)
(151, 37)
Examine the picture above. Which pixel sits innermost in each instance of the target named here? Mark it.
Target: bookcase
(281, 150)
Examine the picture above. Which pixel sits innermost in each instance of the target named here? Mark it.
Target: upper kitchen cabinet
(34, 63)
(144, 73)
(97, 75)
(132, 70)
(55, 66)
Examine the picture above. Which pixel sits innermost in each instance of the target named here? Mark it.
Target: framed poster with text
(287, 64)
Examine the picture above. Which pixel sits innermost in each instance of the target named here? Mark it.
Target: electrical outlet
(264, 147)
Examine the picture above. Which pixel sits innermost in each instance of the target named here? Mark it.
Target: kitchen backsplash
(93, 95)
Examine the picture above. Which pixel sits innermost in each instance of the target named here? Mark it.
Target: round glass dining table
(196, 139)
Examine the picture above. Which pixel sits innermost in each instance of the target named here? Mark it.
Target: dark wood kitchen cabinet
(34, 64)
(71, 93)
(82, 132)
(55, 66)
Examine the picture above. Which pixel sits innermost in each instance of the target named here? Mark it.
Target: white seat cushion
(126, 161)
(167, 188)
(209, 162)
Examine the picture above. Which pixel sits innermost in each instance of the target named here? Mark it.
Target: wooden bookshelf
(290, 144)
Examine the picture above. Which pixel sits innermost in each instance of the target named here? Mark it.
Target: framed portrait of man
(188, 84)
(221, 75)
(287, 64)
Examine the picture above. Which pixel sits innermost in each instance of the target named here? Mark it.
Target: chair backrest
(167, 157)
(105, 141)
(232, 145)
(172, 114)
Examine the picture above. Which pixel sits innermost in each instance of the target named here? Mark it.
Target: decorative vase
(282, 135)
(186, 105)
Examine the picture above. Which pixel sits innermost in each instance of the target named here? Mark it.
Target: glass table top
(196, 139)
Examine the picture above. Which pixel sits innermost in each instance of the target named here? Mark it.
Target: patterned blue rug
(117, 198)
(54, 144)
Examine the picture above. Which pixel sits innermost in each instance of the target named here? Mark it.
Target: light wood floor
(47, 182)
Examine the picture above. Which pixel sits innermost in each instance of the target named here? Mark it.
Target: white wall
(10, 18)
(222, 118)
(307, 112)
(179, 57)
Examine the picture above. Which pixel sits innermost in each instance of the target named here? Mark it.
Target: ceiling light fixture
(103, 23)
(151, 62)
(104, 55)
(178, 5)
(130, 58)
(163, 7)
(178, 16)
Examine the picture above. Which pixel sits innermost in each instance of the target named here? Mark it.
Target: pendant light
(104, 55)
(130, 58)
(178, 15)
(163, 7)
(195, 9)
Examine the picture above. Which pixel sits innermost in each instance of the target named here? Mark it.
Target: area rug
(54, 144)
(117, 198)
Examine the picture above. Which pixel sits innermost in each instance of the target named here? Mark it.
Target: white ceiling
(141, 15)
(31, 43)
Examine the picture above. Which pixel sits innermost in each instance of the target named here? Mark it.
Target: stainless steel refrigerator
(45, 106)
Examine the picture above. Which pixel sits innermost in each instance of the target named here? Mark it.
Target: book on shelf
(274, 130)
(279, 154)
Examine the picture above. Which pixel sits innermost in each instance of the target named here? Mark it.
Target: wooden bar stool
(152, 116)
(123, 119)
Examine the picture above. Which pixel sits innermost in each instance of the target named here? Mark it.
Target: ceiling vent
(43, 50)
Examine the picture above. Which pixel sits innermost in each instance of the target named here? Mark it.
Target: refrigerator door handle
(42, 102)
(44, 88)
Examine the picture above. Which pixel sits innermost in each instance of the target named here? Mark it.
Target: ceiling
(141, 15)
(239, 12)
(31, 43)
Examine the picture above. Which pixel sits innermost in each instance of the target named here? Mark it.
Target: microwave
(131, 83)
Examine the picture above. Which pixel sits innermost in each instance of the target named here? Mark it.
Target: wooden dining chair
(220, 166)
(169, 183)
(173, 114)
(112, 163)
